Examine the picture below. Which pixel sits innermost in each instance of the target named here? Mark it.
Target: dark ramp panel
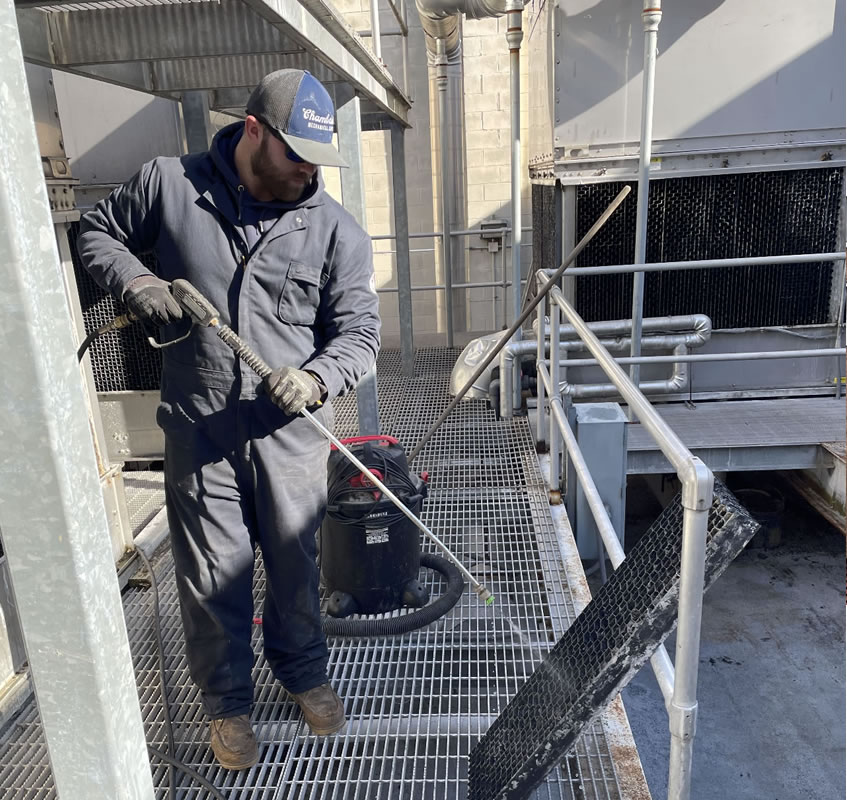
(599, 654)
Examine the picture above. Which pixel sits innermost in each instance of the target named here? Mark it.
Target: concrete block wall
(488, 140)
(488, 151)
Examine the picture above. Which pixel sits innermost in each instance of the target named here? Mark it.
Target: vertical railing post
(555, 448)
(541, 338)
(651, 17)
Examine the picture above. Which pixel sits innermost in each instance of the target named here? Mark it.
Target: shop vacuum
(370, 552)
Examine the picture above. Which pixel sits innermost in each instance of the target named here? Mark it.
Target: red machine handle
(361, 439)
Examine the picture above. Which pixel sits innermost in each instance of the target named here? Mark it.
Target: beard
(284, 186)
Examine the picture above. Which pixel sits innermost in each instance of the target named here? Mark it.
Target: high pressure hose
(123, 321)
(393, 626)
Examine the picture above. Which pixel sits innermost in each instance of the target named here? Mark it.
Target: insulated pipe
(446, 245)
(677, 382)
(514, 37)
(651, 17)
(511, 353)
(700, 324)
(440, 20)
(702, 331)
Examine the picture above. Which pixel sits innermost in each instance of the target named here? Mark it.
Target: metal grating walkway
(416, 704)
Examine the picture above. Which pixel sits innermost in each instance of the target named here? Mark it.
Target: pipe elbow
(698, 483)
(702, 328)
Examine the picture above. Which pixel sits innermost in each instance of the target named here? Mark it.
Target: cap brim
(319, 153)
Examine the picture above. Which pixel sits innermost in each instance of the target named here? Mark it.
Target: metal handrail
(709, 263)
(697, 493)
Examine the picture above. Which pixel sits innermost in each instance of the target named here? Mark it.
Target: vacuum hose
(393, 626)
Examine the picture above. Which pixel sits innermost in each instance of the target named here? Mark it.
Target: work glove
(293, 389)
(149, 299)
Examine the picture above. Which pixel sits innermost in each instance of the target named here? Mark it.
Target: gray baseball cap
(298, 109)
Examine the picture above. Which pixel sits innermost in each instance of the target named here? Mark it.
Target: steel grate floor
(416, 704)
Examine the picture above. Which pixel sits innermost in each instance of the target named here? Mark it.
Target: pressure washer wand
(203, 313)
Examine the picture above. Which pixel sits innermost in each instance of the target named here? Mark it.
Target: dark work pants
(235, 480)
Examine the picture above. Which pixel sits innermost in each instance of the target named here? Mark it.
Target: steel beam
(198, 126)
(326, 36)
(353, 197)
(403, 262)
(159, 32)
(732, 459)
(171, 78)
(52, 514)
(170, 48)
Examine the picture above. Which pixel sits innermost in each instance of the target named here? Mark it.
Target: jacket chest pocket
(301, 294)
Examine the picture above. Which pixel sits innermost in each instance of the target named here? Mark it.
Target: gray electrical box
(600, 430)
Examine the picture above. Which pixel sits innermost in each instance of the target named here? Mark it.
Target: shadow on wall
(110, 131)
(802, 78)
(599, 69)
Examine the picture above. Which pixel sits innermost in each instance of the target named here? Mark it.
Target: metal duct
(441, 20)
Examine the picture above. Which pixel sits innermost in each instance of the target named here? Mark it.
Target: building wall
(487, 142)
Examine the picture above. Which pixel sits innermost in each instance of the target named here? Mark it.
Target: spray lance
(204, 314)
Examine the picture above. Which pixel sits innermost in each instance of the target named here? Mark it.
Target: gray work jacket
(303, 297)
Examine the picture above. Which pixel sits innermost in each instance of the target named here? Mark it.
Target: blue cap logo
(312, 115)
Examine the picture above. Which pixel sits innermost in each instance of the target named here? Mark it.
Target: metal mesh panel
(418, 703)
(546, 227)
(607, 644)
(717, 216)
(121, 360)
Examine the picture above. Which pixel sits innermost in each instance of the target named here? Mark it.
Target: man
(249, 224)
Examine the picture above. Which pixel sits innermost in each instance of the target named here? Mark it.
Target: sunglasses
(290, 154)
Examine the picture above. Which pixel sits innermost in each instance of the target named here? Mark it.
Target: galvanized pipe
(762, 355)
(540, 348)
(441, 82)
(438, 287)
(555, 475)
(697, 485)
(708, 263)
(651, 16)
(510, 361)
(669, 443)
(682, 710)
(660, 661)
(514, 37)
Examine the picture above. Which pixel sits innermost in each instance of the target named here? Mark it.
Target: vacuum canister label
(376, 535)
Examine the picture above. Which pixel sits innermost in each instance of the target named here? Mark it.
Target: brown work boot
(323, 709)
(233, 742)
